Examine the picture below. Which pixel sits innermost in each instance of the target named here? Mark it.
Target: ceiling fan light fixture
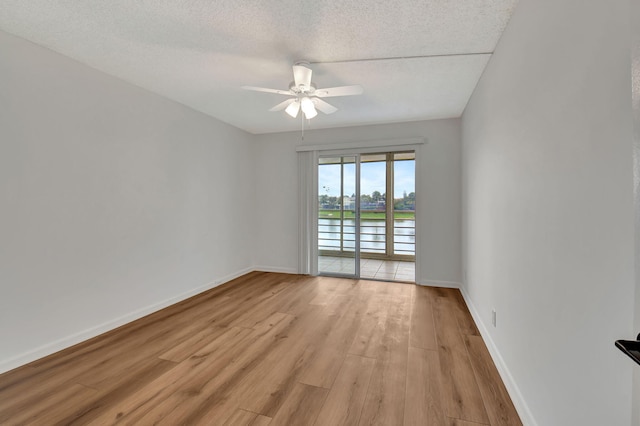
(304, 95)
(293, 108)
(308, 108)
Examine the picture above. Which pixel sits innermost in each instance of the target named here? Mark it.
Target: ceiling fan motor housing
(302, 89)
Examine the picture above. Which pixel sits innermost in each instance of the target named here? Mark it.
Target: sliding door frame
(315, 219)
(308, 192)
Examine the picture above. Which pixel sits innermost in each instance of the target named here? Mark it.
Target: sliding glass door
(338, 211)
(366, 215)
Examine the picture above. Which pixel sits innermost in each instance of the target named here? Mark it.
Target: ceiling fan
(306, 95)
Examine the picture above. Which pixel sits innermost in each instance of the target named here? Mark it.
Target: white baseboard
(233, 276)
(514, 391)
(66, 342)
(433, 283)
(275, 269)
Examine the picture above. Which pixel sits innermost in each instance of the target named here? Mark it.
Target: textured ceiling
(201, 52)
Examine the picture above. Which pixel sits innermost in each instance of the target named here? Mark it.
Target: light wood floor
(275, 349)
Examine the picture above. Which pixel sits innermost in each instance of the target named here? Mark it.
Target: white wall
(438, 193)
(548, 209)
(635, 72)
(113, 201)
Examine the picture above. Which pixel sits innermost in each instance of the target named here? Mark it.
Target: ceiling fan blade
(323, 106)
(339, 91)
(302, 76)
(283, 105)
(264, 89)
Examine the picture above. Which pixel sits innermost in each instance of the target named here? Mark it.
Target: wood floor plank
(326, 291)
(51, 409)
(327, 360)
(339, 304)
(424, 401)
(458, 422)
(266, 386)
(460, 390)
(301, 407)
(401, 290)
(114, 368)
(121, 390)
(346, 398)
(423, 331)
(267, 395)
(368, 339)
(264, 306)
(298, 303)
(231, 387)
(465, 320)
(18, 395)
(228, 315)
(187, 373)
(261, 421)
(499, 406)
(183, 350)
(191, 400)
(384, 403)
(98, 369)
(294, 358)
(247, 418)
(16, 377)
(251, 351)
(240, 418)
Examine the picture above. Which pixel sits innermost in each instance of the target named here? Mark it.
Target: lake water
(372, 235)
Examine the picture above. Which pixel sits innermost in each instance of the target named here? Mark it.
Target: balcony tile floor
(387, 270)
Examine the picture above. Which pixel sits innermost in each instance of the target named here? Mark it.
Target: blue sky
(373, 178)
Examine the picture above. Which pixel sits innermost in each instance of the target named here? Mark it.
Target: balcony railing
(336, 237)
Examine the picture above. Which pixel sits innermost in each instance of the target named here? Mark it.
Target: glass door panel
(337, 216)
(373, 213)
(404, 215)
(404, 206)
(387, 216)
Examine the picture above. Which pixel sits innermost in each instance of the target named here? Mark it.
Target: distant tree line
(407, 202)
(370, 202)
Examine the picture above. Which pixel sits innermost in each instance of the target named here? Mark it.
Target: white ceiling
(200, 52)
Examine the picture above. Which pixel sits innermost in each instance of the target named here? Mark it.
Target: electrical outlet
(493, 317)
